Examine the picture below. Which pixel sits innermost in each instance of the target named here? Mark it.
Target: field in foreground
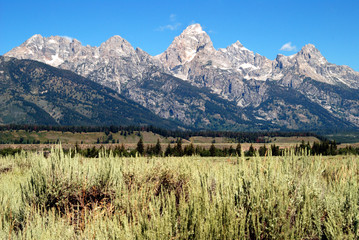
(291, 197)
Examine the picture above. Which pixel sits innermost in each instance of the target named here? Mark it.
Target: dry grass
(86, 138)
(290, 197)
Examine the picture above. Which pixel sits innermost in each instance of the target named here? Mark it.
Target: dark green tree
(168, 151)
(189, 150)
(232, 151)
(158, 148)
(212, 150)
(275, 150)
(178, 148)
(239, 149)
(149, 150)
(140, 147)
(333, 148)
(251, 151)
(262, 150)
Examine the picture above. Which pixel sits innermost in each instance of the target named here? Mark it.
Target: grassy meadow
(72, 197)
(45, 140)
(83, 137)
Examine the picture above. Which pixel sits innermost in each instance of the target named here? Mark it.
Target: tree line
(324, 148)
(242, 137)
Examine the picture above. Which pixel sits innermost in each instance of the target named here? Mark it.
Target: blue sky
(262, 26)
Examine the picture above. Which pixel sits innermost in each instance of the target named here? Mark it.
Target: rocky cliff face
(225, 70)
(196, 49)
(309, 62)
(235, 74)
(112, 64)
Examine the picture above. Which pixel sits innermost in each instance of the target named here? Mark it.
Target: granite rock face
(245, 80)
(112, 64)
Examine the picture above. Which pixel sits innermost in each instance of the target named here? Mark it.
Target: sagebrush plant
(72, 197)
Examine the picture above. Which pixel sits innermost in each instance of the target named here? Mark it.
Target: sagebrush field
(289, 197)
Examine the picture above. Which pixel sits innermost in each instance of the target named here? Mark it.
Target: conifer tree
(251, 151)
(212, 150)
(262, 150)
(189, 150)
(168, 151)
(275, 150)
(158, 149)
(232, 151)
(239, 149)
(178, 149)
(140, 147)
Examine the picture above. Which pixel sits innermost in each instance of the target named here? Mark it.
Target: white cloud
(172, 26)
(288, 47)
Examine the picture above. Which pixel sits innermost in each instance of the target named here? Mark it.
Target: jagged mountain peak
(195, 37)
(186, 46)
(311, 54)
(51, 50)
(117, 46)
(238, 46)
(238, 50)
(116, 41)
(309, 47)
(34, 38)
(41, 40)
(311, 50)
(194, 29)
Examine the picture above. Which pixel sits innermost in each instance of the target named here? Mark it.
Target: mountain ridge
(35, 93)
(235, 74)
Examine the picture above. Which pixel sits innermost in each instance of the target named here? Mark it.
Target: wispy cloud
(174, 25)
(170, 27)
(173, 17)
(288, 47)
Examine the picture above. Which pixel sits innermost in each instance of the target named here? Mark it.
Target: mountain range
(36, 93)
(198, 86)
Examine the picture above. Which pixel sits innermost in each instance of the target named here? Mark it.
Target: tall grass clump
(72, 197)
